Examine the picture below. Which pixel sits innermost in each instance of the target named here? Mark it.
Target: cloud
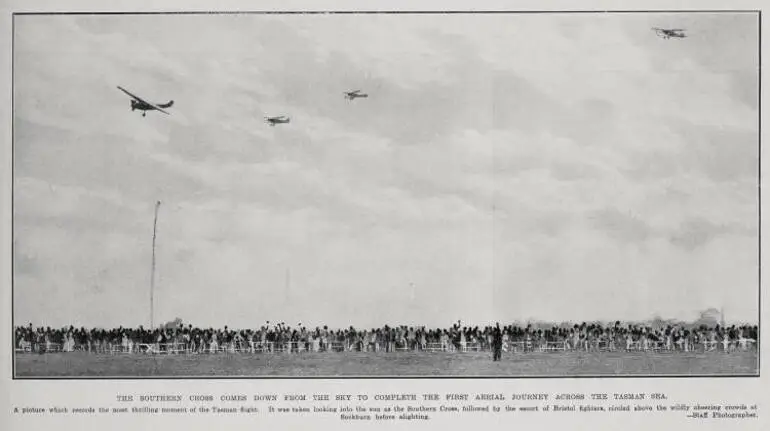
(696, 232)
(621, 226)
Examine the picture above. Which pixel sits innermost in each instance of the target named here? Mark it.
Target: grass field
(406, 364)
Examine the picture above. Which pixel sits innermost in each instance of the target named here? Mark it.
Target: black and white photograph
(394, 195)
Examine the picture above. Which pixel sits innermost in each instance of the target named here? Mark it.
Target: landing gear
(144, 114)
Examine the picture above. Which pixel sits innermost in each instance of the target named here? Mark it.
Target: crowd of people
(455, 338)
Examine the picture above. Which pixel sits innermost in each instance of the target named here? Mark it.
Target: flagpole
(152, 275)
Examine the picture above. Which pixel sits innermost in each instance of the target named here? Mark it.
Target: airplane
(668, 33)
(272, 121)
(144, 106)
(352, 95)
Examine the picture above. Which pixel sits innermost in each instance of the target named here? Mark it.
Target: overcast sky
(504, 167)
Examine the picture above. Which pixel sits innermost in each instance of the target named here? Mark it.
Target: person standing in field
(497, 343)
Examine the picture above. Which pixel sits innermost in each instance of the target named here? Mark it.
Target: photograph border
(756, 12)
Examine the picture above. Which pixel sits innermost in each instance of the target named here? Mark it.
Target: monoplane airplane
(352, 95)
(272, 121)
(143, 105)
(668, 33)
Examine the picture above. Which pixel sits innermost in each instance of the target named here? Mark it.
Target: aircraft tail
(167, 105)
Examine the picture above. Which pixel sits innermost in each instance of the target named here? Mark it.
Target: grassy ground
(386, 364)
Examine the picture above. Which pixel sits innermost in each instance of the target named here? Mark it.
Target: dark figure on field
(497, 343)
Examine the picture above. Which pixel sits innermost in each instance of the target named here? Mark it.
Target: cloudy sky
(555, 167)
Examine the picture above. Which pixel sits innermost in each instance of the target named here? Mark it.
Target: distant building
(711, 317)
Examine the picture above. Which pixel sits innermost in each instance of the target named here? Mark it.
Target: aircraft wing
(133, 96)
(157, 108)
